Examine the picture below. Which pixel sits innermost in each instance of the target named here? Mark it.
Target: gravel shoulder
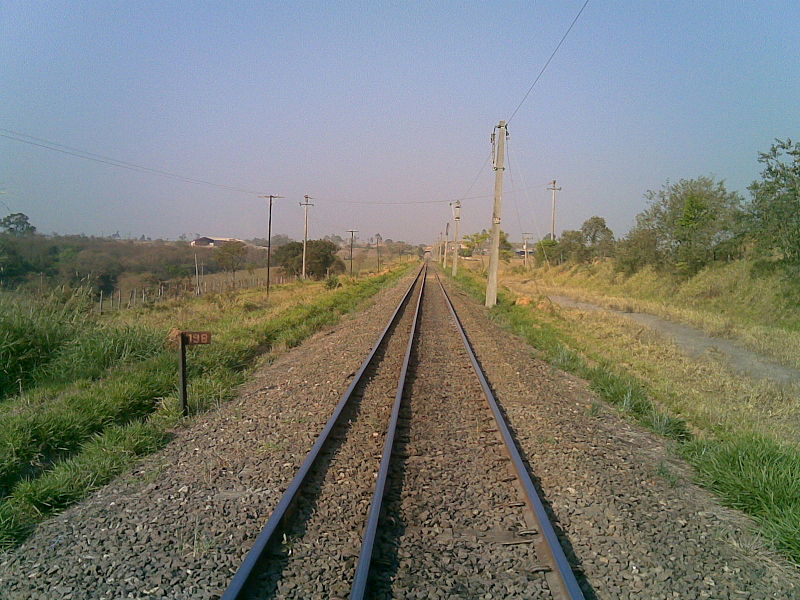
(636, 525)
(179, 525)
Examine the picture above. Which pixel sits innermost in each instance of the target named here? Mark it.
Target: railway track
(414, 488)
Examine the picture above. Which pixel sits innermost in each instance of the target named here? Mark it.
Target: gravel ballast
(317, 558)
(455, 527)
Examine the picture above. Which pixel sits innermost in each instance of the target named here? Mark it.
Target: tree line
(31, 260)
(692, 223)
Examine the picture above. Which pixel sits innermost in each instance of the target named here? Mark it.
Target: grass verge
(68, 443)
(746, 457)
(737, 300)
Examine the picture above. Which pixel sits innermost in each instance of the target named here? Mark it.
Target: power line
(513, 184)
(539, 76)
(401, 202)
(99, 158)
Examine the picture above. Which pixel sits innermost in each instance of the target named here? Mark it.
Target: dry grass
(712, 305)
(704, 391)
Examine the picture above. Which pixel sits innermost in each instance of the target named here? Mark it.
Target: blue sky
(379, 102)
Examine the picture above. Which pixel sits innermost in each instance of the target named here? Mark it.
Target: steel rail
(359, 586)
(565, 582)
(242, 578)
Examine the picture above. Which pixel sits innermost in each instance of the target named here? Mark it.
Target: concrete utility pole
(456, 239)
(499, 141)
(446, 243)
(378, 240)
(305, 206)
(554, 189)
(352, 233)
(269, 236)
(525, 237)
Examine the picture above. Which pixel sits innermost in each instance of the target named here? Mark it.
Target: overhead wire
(547, 63)
(25, 138)
(99, 158)
(533, 219)
(513, 186)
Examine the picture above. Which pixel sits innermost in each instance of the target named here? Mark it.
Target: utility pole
(352, 233)
(499, 141)
(525, 237)
(305, 206)
(553, 189)
(269, 236)
(196, 276)
(456, 239)
(378, 240)
(446, 236)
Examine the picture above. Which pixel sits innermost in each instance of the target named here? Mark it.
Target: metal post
(101, 302)
(499, 139)
(305, 206)
(269, 236)
(184, 399)
(456, 234)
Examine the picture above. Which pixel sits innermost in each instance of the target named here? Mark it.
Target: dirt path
(696, 343)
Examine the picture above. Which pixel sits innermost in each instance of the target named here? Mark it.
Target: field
(83, 395)
(739, 434)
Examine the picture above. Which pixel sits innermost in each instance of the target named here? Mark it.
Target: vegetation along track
(422, 496)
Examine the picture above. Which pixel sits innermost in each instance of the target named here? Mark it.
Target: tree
(687, 223)
(773, 214)
(546, 250)
(336, 239)
(320, 257)
(475, 243)
(572, 246)
(597, 237)
(636, 250)
(230, 256)
(17, 224)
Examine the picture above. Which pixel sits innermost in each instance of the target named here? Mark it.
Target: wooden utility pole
(305, 206)
(499, 141)
(352, 233)
(456, 238)
(525, 237)
(553, 189)
(269, 236)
